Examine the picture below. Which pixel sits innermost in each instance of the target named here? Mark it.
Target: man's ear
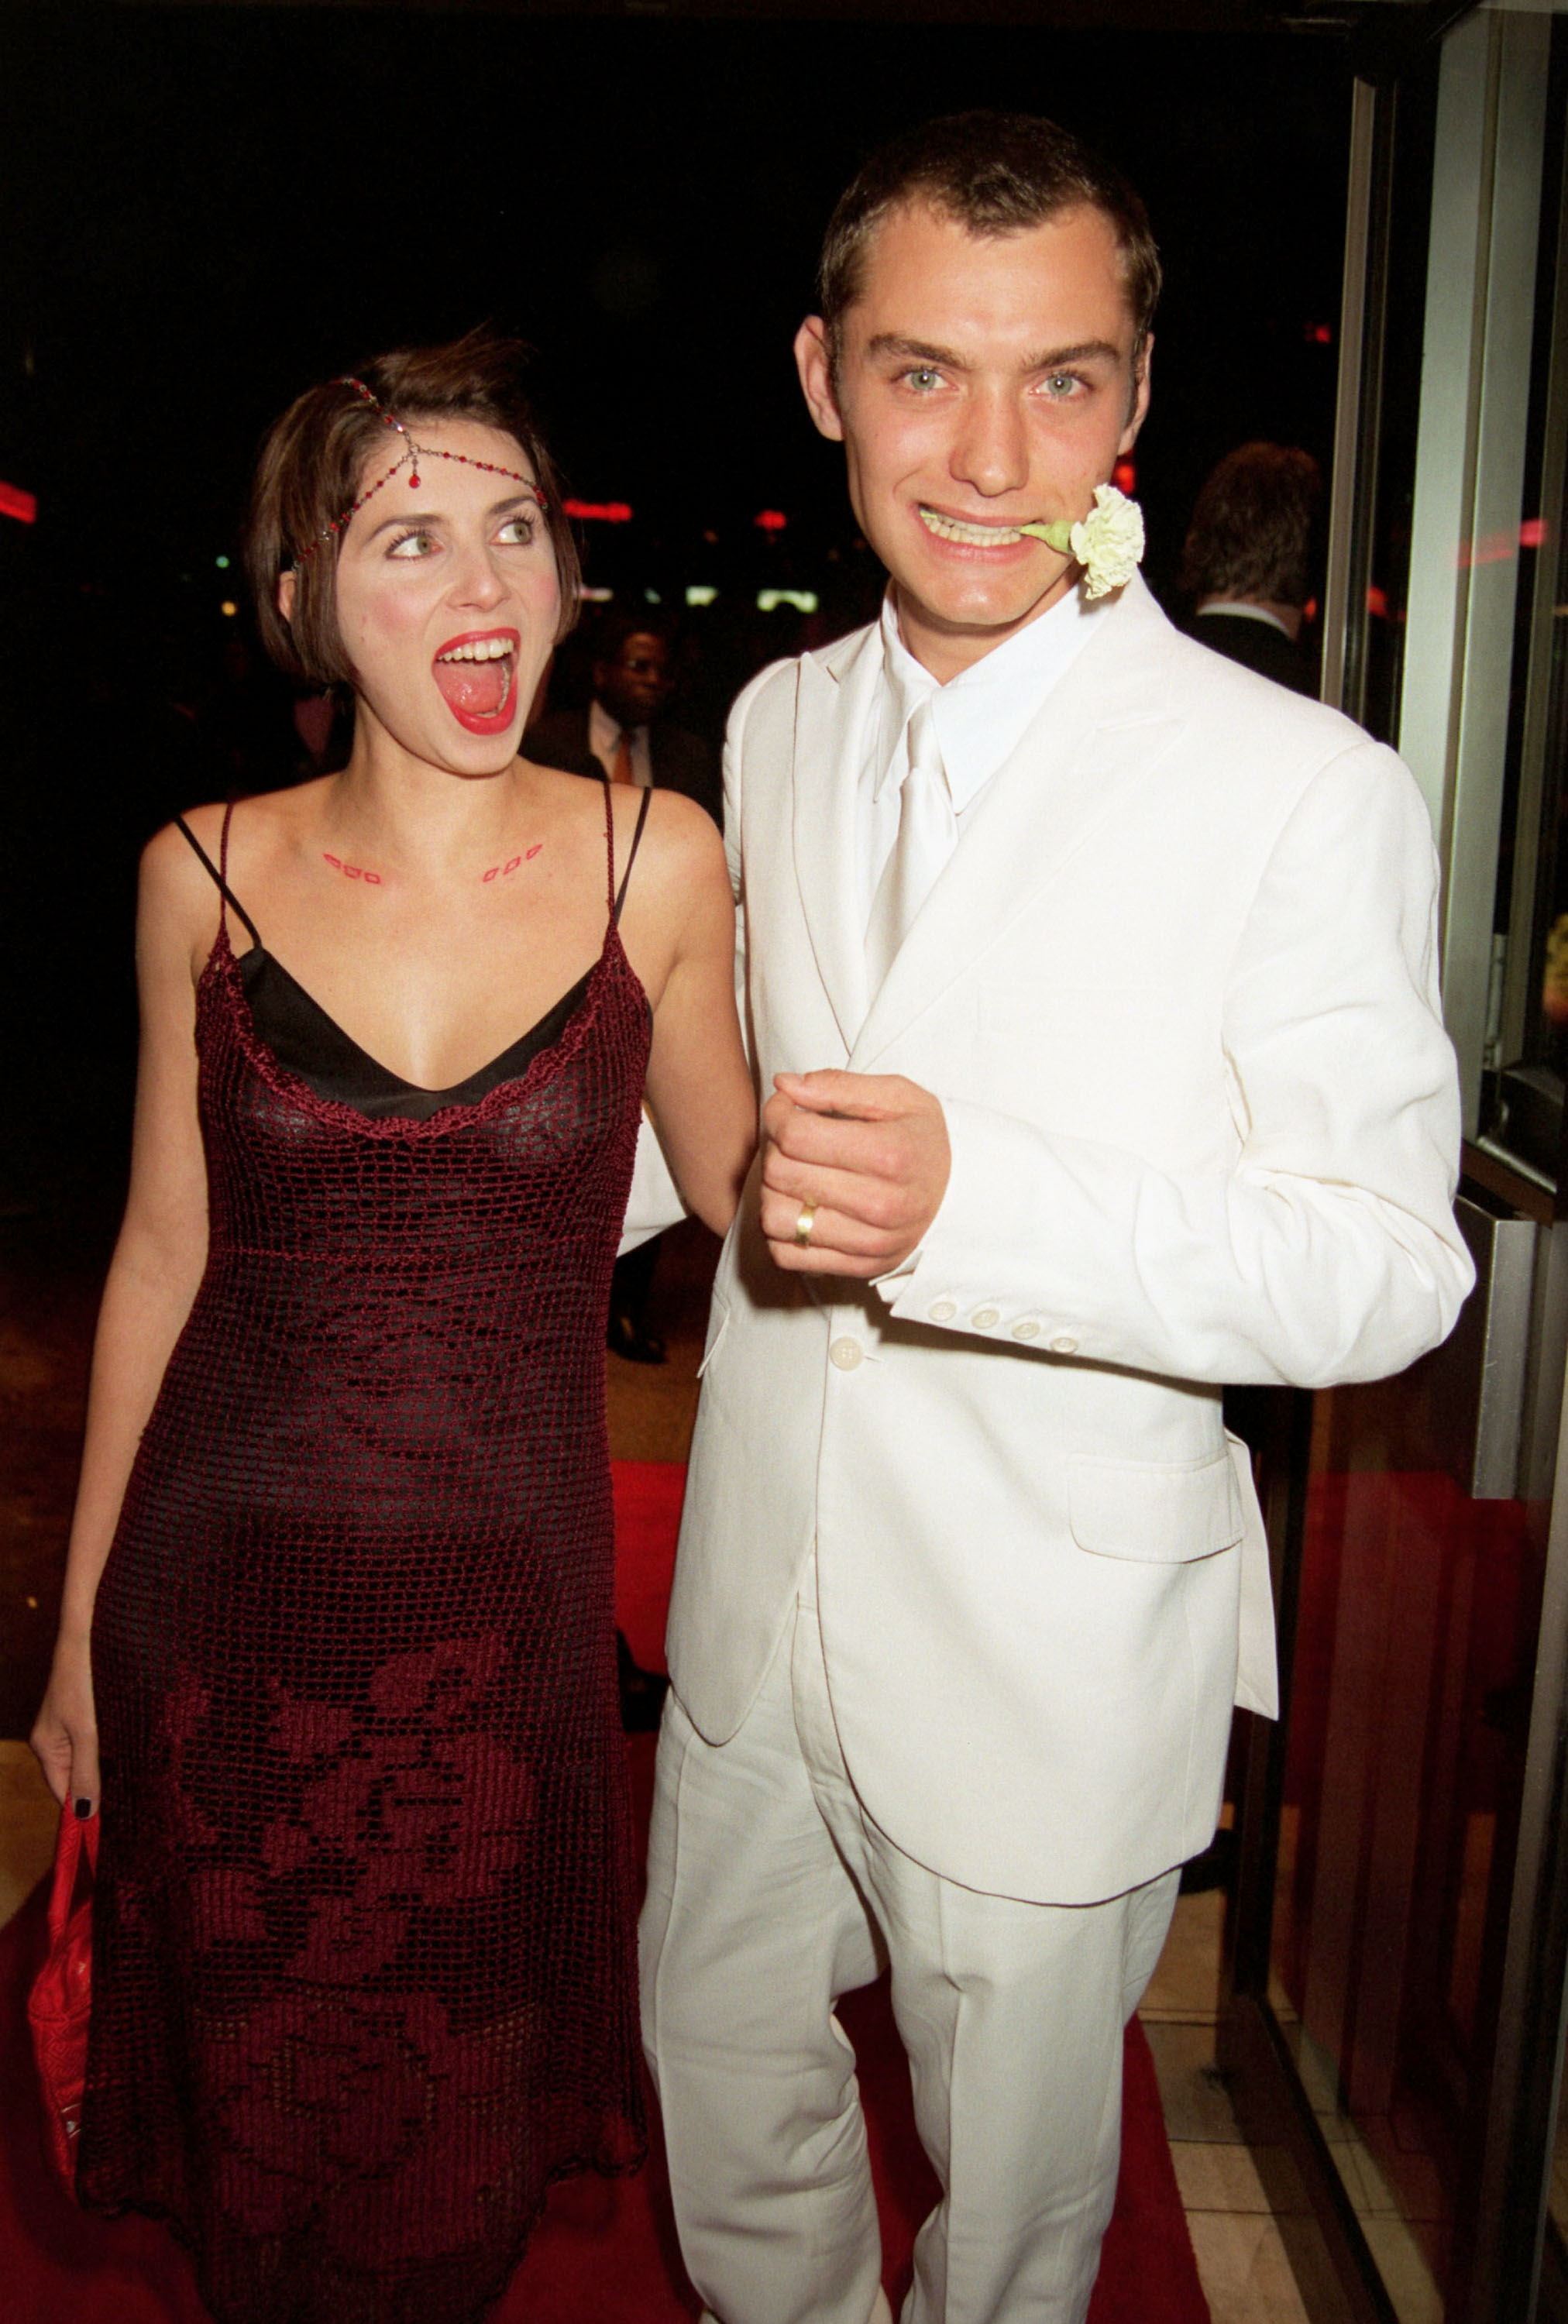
(1139, 412)
(815, 364)
(286, 594)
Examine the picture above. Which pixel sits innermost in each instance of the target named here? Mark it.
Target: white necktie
(927, 836)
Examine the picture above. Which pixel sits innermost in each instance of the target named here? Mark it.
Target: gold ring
(803, 1225)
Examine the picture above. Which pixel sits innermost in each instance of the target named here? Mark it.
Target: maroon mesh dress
(363, 1973)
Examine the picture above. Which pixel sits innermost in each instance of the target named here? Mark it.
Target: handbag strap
(78, 1837)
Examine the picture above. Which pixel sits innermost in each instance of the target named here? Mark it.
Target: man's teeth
(952, 528)
(478, 650)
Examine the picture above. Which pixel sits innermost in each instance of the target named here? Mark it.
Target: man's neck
(948, 649)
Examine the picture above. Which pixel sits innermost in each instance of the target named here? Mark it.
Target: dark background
(207, 208)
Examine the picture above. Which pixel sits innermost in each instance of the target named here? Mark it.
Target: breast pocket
(1154, 1512)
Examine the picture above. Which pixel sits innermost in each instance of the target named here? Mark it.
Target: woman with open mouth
(337, 1624)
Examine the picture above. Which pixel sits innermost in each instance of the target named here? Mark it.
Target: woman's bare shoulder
(682, 835)
(268, 817)
(178, 890)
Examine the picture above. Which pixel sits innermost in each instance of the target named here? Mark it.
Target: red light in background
(1125, 476)
(1378, 601)
(1534, 533)
(14, 502)
(770, 520)
(1491, 549)
(1319, 334)
(599, 511)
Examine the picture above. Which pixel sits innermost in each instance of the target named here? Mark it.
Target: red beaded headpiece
(410, 458)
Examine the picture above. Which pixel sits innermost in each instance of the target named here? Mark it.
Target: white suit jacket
(1176, 992)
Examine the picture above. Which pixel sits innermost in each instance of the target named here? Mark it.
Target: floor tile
(1217, 2177)
(27, 1818)
(1244, 2269)
(1186, 1987)
(1404, 2270)
(1192, 2090)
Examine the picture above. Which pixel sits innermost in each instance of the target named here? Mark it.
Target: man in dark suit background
(621, 733)
(1246, 561)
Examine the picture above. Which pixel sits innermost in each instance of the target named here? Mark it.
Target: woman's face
(447, 599)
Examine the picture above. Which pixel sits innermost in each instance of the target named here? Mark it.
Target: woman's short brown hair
(312, 465)
(995, 173)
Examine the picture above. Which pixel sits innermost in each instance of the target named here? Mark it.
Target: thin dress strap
(220, 872)
(618, 895)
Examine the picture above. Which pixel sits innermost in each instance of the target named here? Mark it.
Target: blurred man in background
(622, 732)
(1246, 561)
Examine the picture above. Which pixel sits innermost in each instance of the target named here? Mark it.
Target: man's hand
(870, 1151)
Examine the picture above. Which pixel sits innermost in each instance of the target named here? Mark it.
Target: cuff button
(984, 1317)
(1026, 1330)
(944, 1311)
(1063, 1344)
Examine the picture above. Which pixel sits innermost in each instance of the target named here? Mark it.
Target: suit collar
(832, 718)
(1095, 743)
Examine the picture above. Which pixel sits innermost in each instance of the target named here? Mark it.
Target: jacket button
(1063, 1344)
(846, 1354)
(1026, 1330)
(984, 1317)
(944, 1311)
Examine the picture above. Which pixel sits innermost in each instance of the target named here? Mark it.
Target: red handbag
(59, 2004)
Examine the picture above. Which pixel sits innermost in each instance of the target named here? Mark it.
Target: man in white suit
(1093, 980)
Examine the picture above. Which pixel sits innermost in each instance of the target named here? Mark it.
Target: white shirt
(604, 734)
(1243, 609)
(981, 717)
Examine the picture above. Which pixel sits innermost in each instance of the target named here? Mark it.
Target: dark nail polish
(84, 1809)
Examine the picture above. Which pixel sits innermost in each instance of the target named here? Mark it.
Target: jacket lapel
(832, 708)
(1082, 762)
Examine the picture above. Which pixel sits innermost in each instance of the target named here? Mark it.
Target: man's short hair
(1251, 530)
(996, 173)
(612, 628)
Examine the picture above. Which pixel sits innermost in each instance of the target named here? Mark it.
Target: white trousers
(770, 1893)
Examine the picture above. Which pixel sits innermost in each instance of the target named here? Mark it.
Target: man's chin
(978, 615)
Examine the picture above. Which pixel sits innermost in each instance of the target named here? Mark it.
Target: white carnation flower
(1109, 542)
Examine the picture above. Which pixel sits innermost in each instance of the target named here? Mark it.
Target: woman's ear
(286, 594)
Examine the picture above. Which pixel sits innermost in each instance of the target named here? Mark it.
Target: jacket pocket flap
(1154, 1512)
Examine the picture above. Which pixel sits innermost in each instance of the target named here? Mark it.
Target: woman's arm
(700, 1089)
(152, 1282)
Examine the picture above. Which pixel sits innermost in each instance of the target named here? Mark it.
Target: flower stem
(1057, 536)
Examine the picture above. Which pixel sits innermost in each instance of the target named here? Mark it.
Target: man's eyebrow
(892, 343)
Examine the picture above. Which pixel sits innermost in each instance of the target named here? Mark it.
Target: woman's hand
(65, 1735)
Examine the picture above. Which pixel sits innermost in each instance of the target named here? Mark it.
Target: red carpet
(605, 2252)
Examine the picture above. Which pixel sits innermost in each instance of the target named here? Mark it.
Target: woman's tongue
(479, 689)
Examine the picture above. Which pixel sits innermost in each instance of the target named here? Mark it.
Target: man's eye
(411, 545)
(923, 377)
(1061, 384)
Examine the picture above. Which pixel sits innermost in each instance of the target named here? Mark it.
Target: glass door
(1399, 1947)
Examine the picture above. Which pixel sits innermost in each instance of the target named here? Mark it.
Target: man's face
(633, 684)
(984, 381)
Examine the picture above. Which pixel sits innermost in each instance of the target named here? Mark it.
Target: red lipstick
(475, 676)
